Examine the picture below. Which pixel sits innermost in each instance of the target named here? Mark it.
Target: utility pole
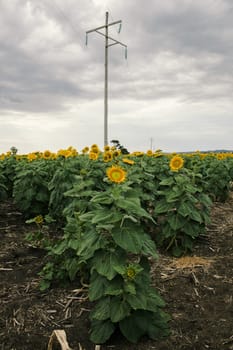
(107, 45)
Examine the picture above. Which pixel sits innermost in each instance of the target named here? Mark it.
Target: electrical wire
(60, 11)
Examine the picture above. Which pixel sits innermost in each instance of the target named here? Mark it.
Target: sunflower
(47, 154)
(220, 156)
(85, 150)
(128, 161)
(93, 155)
(39, 219)
(31, 156)
(116, 174)
(106, 148)
(149, 153)
(130, 273)
(107, 156)
(176, 163)
(116, 153)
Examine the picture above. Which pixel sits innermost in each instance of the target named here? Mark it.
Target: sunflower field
(115, 213)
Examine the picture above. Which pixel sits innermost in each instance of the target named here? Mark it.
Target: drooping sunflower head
(176, 163)
(116, 174)
(128, 161)
(85, 150)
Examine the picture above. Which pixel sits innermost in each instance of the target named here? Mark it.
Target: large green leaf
(102, 309)
(115, 286)
(158, 326)
(149, 247)
(162, 206)
(97, 286)
(130, 237)
(106, 215)
(119, 309)
(133, 327)
(104, 262)
(89, 243)
(103, 198)
(132, 206)
(137, 301)
(153, 300)
(167, 182)
(196, 216)
(176, 221)
(101, 331)
(191, 229)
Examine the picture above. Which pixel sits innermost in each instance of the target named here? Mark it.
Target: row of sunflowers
(116, 211)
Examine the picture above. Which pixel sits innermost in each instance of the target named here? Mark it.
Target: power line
(59, 10)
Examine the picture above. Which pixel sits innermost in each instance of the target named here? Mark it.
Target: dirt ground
(198, 291)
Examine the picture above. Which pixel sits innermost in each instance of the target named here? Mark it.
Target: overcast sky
(173, 92)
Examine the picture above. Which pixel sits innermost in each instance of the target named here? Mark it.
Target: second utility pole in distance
(107, 44)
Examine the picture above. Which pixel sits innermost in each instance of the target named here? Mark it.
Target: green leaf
(133, 327)
(103, 198)
(158, 327)
(102, 309)
(104, 262)
(154, 301)
(176, 221)
(101, 331)
(167, 182)
(119, 309)
(97, 286)
(177, 251)
(137, 301)
(115, 286)
(162, 207)
(185, 208)
(149, 247)
(129, 237)
(191, 229)
(90, 242)
(196, 216)
(133, 206)
(72, 267)
(129, 287)
(106, 215)
(60, 247)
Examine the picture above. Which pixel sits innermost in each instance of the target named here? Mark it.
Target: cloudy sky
(173, 92)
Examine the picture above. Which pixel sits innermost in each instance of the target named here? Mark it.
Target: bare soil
(198, 291)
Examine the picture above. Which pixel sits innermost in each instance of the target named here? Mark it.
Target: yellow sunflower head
(47, 154)
(116, 174)
(128, 161)
(93, 155)
(107, 156)
(107, 148)
(130, 273)
(149, 153)
(39, 219)
(31, 156)
(176, 163)
(116, 153)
